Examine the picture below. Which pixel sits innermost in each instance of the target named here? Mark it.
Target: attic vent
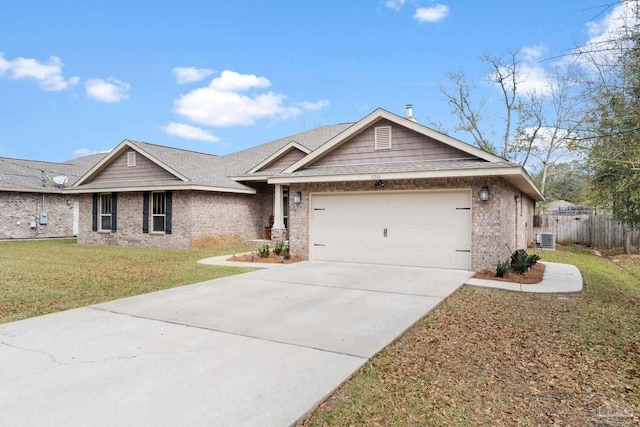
(383, 137)
(131, 158)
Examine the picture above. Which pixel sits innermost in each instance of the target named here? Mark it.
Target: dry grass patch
(498, 358)
(219, 241)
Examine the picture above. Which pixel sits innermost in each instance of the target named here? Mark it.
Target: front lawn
(39, 277)
(497, 358)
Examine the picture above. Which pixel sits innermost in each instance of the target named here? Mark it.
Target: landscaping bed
(272, 258)
(533, 276)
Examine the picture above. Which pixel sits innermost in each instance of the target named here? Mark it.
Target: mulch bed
(272, 259)
(531, 277)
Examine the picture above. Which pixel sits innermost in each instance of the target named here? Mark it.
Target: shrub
(286, 255)
(533, 259)
(503, 268)
(263, 251)
(521, 261)
(279, 247)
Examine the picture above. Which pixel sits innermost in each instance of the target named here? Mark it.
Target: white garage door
(424, 229)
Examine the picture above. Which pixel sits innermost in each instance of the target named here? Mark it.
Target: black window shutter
(94, 213)
(114, 212)
(168, 211)
(145, 212)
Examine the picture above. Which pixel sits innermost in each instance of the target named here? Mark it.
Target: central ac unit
(546, 241)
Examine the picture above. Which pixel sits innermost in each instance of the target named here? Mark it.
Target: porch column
(278, 230)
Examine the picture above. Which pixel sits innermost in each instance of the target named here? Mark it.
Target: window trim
(153, 215)
(102, 215)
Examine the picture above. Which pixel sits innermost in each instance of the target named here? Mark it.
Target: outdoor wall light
(484, 193)
(297, 197)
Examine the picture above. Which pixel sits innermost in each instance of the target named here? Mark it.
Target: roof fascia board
(32, 190)
(259, 178)
(377, 115)
(160, 188)
(279, 153)
(505, 172)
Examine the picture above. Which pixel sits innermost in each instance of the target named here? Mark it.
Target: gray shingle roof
(239, 163)
(199, 168)
(420, 166)
(32, 175)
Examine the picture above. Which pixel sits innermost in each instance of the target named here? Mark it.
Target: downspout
(516, 197)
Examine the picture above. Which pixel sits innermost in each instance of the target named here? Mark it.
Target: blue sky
(78, 77)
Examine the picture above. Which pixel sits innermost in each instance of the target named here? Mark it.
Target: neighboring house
(32, 205)
(383, 190)
(560, 206)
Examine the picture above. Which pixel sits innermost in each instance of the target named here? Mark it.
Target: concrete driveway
(257, 349)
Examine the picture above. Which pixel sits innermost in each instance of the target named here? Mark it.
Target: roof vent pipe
(409, 108)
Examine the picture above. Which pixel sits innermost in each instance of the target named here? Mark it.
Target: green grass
(45, 276)
(496, 358)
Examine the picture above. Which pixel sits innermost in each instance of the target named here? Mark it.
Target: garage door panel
(430, 229)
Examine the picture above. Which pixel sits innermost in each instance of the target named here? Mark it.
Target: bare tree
(537, 128)
(552, 123)
(473, 115)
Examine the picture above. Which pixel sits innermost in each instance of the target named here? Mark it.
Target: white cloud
(189, 132)
(191, 74)
(232, 81)
(48, 75)
(108, 91)
(532, 77)
(431, 14)
(601, 46)
(314, 106)
(235, 99)
(395, 4)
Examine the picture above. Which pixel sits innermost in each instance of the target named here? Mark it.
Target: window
(106, 204)
(131, 158)
(159, 213)
(156, 208)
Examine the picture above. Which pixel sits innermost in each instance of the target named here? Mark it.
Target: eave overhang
(515, 175)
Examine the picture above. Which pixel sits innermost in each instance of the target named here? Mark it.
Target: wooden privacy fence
(597, 231)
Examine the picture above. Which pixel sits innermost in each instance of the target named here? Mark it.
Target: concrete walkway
(558, 278)
(257, 349)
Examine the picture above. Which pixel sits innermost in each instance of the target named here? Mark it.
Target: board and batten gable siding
(284, 161)
(406, 145)
(145, 169)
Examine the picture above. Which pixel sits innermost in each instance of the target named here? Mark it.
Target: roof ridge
(171, 148)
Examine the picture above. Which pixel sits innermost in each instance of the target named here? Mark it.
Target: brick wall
(219, 214)
(493, 221)
(19, 210)
(129, 231)
(195, 214)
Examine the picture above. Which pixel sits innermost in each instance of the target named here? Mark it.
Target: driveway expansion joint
(351, 289)
(204, 328)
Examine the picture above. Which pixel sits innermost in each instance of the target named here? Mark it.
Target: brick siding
(195, 214)
(19, 210)
(493, 221)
